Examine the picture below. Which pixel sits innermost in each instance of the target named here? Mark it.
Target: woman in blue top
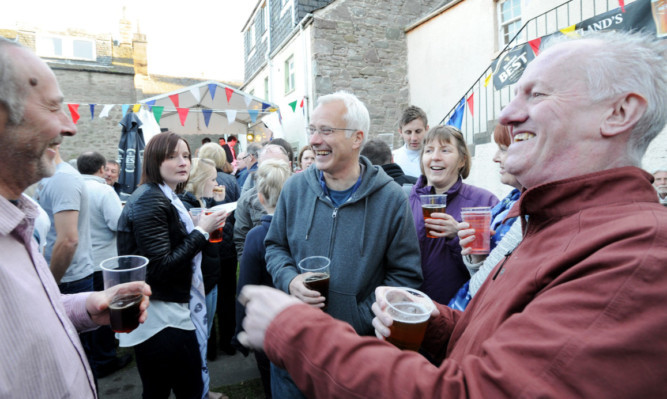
(445, 162)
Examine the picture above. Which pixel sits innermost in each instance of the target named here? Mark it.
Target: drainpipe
(307, 73)
(267, 56)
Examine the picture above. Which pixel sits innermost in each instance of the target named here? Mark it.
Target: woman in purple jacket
(445, 162)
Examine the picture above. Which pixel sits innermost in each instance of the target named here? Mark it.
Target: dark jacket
(395, 172)
(150, 226)
(210, 260)
(232, 194)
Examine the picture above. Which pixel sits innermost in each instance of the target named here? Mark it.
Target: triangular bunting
(211, 88)
(229, 93)
(207, 115)
(253, 115)
(157, 113)
(265, 106)
(124, 108)
(174, 99)
(293, 105)
(301, 105)
(74, 110)
(136, 108)
(105, 110)
(92, 111)
(183, 114)
(456, 119)
(570, 32)
(196, 94)
(150, 104)
(621, 3)
(231, 116)
(487, 80)
(471, 104)
(247, 100)
(535, 45)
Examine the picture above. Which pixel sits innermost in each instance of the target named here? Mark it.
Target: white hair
(356, 117)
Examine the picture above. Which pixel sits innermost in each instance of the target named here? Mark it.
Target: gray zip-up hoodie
(370, 239)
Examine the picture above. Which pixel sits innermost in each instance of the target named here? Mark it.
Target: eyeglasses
(325, 130)
(249, 155)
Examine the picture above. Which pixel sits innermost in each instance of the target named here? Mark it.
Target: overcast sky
(197, 38)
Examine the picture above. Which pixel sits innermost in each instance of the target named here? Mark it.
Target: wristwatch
(199, 229)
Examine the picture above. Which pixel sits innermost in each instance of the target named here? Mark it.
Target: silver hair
(356, 117)
(12, 90)
(629, 62)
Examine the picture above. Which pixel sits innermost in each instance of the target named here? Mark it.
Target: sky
(193, 38)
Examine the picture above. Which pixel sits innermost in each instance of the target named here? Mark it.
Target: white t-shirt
(408, 160)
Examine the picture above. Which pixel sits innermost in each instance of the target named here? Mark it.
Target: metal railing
(488, 102)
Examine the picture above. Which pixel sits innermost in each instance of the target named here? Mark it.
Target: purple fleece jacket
(442, 265)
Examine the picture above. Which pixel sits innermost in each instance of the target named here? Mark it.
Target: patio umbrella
(130, 153)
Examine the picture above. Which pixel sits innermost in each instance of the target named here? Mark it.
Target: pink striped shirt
(39, 346)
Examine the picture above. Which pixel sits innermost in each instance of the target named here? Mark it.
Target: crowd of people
(567, 303)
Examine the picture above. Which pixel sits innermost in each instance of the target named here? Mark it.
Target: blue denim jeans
(282, 385)
(211, 305)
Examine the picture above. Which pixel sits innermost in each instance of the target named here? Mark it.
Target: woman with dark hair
(306, 157)
(170, 347)
(445, 162)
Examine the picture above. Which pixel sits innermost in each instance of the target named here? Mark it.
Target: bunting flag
(621, 3)
(570, 31)
(105, 110)
(183, 114)
(293, 105)
(253, 115)
(456, 119)
(124, 108)
(92, 111)
(196, 94)
(229, 93)
(157, 113)
(211, 88)
(136, 108)
(247, 99)
(174, 99)
(207, 115)
(150, 104)
(301, 105)
(231, 116)
(487, 80)
(535, 45)
(471, 104)
(74, 110)
(265, 106)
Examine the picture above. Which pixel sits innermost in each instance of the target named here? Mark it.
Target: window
(66, 47)
(266, 88)
(265, 11)
(289, 74)
(509, 13)
(252, 34)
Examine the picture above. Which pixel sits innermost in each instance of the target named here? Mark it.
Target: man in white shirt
(412, 127)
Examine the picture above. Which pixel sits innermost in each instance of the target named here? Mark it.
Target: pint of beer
(659, 11)
(410, 310)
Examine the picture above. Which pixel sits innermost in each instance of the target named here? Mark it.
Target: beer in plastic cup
(432, 203)
(479, 218)
(318, 276)
(410, 310)
(124, 306)
(216, 235)
(659, 11)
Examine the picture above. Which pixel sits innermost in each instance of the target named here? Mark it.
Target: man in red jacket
(577, 309)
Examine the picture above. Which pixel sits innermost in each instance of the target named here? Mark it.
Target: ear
(623, 115)
(358, 137)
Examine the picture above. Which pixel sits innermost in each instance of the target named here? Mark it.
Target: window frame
(290, 79)
(67, 47)
(503, 40)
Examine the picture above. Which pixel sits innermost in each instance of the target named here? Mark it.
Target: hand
(298, 288)
(466, 237)
(97, 303)
(212, 221)
(442, 225)
(262, 305)
(219, 193)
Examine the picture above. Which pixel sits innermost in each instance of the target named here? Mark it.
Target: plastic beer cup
(318, 276)
(479, 218)
(432, 203)
(410, 310)
(124, 307)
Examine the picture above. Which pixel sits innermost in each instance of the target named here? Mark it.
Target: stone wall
(360, 46)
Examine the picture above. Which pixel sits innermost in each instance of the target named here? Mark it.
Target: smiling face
(505, 176)
(441, 162)
(307, 159)
(660, 182)
(554, 124)
(336, 153)
(29, 148)
(413, 134)
(175, 168)
(111, 173)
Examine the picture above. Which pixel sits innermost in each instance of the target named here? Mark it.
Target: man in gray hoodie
(348, 210)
